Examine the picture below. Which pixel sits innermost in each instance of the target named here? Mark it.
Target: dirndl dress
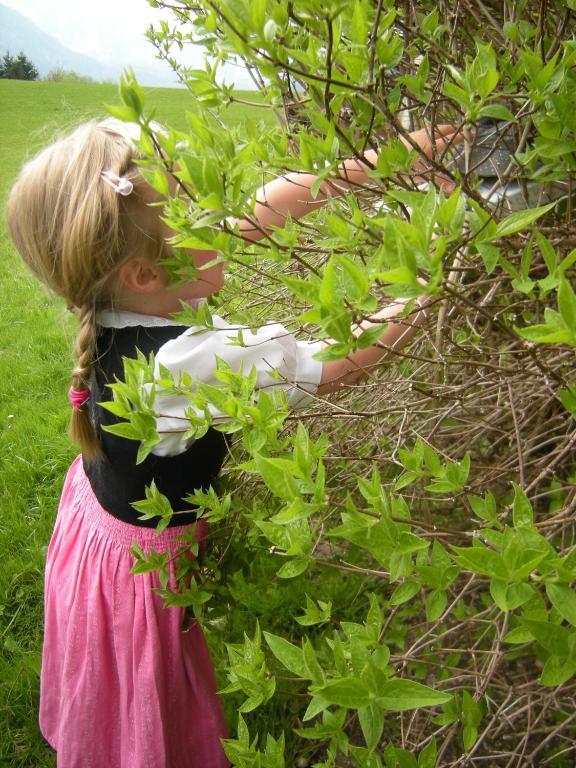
(122, 686)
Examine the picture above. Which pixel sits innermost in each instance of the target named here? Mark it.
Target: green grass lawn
(36, 336)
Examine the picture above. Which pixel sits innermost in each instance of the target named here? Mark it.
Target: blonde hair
(73, 230)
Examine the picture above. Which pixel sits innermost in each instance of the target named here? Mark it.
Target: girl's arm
(291, 194)
(359, 364)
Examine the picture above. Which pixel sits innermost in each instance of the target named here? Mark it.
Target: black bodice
(116, 479)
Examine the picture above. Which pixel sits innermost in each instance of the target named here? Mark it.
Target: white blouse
(281, 362)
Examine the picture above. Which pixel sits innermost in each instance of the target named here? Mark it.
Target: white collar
(120, 318)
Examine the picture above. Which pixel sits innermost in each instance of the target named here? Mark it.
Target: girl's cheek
(214, 276)
(219, 276)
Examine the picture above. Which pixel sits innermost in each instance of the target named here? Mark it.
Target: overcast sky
(111, 31)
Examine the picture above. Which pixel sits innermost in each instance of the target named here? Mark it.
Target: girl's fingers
(449, 140)
(444, 141)
(440, 180)
(445, 135)
(445, 129)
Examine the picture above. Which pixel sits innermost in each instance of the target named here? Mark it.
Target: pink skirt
(122, 686)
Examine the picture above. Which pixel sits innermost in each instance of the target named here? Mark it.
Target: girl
(121, 685)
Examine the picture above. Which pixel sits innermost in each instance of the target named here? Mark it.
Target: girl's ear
(140, 275)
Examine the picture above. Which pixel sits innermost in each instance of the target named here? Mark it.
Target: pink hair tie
(78, 397)
(119, 184)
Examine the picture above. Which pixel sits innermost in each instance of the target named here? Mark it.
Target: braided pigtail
(82, 430)
(77, 211)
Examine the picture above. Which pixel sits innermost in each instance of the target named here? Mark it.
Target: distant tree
(6, 65)
(17, 68)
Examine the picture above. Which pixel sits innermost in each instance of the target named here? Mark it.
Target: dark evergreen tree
(17, 68)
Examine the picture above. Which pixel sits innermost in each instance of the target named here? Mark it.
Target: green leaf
(154, 505)
(398, 276)
(293, 568)
(336, 324)
(552, 637)
(523, 284)
(370, 336)
(124, 113)
(315, 671)
(545, 334)
(404, 592)
(307, 290)
(381, 657)
(130, 92)
(567, 262)
(436, 603)
(428, 755)
(485, 508)
(557, 670)
(457, 94)
(409, 542)
(328, 288)
(497, 111)
(359, 23)
(471, 711)
(287, 654)
(482, 74)
(374, 617)
(124, 429)
(452, 212)
(563, 598)
(405, 479)
(568, 399)
(355, 65)
(348, 692)
(258, 13)
(316, 705)
(469, 736)
(359, 283)
(432, 461)
(522, 513)
(520, 220)
(276, 476)
(159, 181)
(567, 304)
(315, 614)
(481, 560)
(498, 590)
(372, 723)
(399, 695)
(518, 636)
(395, 757)
(518, 594)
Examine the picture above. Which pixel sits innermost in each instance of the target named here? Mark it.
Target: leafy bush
(61, 75)
(394, 568)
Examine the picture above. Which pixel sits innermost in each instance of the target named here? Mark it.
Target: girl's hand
(445, 137)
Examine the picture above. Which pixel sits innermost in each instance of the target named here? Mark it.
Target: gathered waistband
(79, 498)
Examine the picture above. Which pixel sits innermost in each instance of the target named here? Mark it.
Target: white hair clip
(119, 184)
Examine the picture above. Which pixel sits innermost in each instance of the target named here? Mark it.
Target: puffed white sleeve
(280, 360)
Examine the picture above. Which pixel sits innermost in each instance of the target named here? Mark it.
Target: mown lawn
(36, 336)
